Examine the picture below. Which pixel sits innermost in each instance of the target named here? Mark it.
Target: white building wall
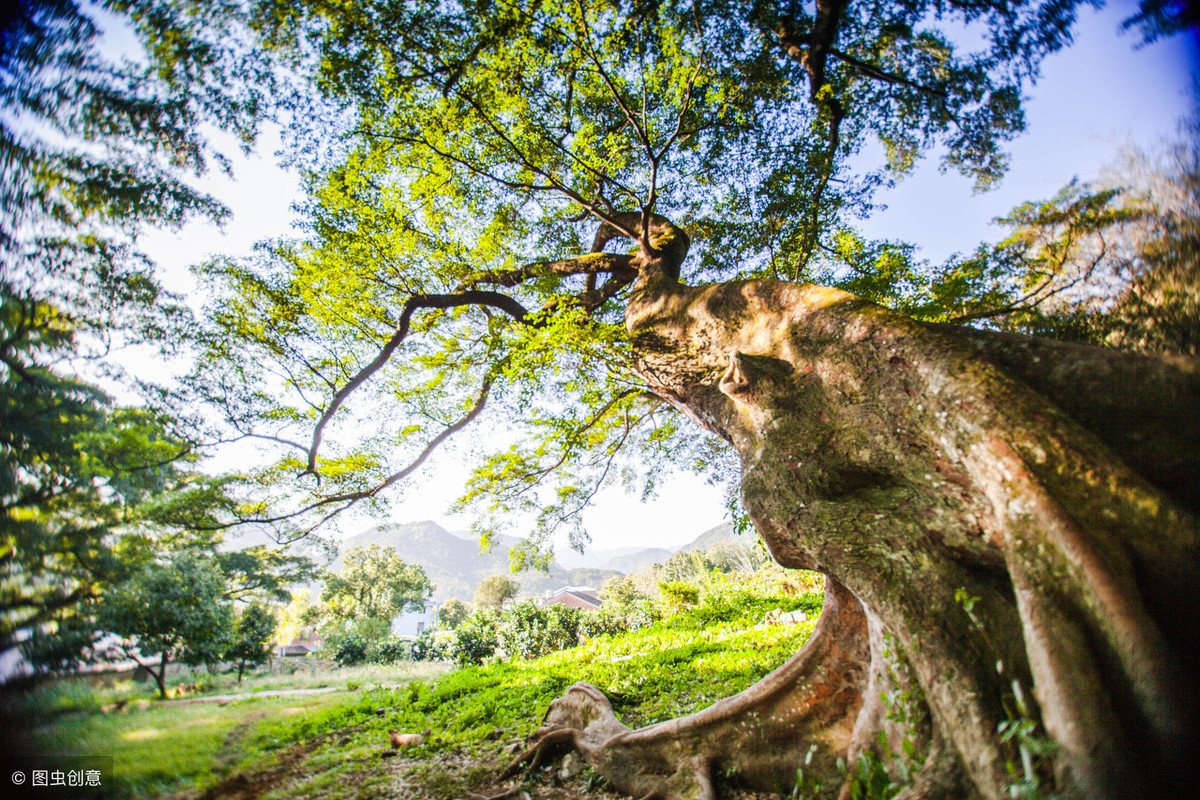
(414, 623)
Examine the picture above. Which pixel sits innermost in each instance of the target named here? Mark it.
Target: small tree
(620, 590)
(476, 638)
(252, 643)
(375, 583)
(735, 557)
(685, 566)
(172, 609)
(452, 613)
(495, 590)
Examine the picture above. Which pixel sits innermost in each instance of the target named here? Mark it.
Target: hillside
(455, 565)
(714, 536)
(632, 559)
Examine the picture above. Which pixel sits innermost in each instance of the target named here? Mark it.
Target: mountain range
(455, 565)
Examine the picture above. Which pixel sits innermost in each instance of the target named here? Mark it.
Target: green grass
(328, 746)
(167, 746)
(674, 667)
(366, 676)
(160, 747)
(72, 695)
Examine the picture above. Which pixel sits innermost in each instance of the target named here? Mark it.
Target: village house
(584, 598)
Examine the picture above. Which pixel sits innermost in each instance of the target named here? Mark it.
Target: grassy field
(673, 667)
(159, 747)
(329, 745)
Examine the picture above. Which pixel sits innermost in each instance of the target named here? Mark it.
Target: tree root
(804, 710)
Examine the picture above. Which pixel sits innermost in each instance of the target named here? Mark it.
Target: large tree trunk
(1008, 529)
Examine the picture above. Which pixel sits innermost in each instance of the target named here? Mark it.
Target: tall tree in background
(374, 583)
(94, 148)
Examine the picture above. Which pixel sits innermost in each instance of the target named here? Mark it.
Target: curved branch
(464, 298)
(348, 499)
(871, 71)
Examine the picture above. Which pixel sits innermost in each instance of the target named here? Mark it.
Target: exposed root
(547, 748)
(805, 708)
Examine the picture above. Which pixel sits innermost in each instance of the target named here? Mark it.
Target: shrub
(607, 621)
(527, 630)
(388, 651)
(475, 638)
(452, 613)
(678, 595)
(428, 648)
(349, 650)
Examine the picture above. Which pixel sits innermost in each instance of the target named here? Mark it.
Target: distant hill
(632, 559)
(621, 559)
(714, 536)
(455, 565)
(639, 559)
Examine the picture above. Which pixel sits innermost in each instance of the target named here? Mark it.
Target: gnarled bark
(989, 535)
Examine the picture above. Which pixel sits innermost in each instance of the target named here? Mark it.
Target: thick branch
(796, 45)
(812, 58)
(591, 264)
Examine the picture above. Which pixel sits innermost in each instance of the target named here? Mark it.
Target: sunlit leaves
(375, 583)
(488, 141)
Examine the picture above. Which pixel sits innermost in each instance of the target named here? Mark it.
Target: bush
(475, 638)
(389, 651)
(678, 595)
(349, 650)
(527, 630)
(607, 621)
(428, 648)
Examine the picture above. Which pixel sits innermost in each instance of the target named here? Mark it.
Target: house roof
(575, 596)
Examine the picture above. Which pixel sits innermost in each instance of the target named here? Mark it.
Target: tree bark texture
(1008, 529)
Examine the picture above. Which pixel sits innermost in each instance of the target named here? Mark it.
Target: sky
(1093, 99)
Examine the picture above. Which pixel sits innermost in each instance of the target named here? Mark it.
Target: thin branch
(348, 499)
(819, 43)
(531, 479)
(630, 117)
(264, 436)
(465, 298)
(878, 74)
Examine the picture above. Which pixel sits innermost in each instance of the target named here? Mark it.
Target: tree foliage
(252, 638)
(263, 573)
(94, 149)
(452, 613)
(174, 611)
(495, 590)
(79, 472)
(374, 583)
(456, 267)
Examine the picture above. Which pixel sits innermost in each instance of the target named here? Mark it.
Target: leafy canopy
(455, 271)
(374, 583)
(95, 147)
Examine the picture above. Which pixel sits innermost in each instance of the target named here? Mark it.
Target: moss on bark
(1020, 570)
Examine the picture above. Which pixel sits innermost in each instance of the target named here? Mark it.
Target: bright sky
(1093, 99)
